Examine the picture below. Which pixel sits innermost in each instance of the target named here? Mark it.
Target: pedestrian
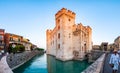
(114, 61)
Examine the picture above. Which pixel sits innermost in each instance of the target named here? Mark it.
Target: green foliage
(10, 48)
(17, 48)
(39, 49)
(21, 48)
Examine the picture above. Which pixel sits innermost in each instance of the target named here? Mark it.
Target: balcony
(18, 42)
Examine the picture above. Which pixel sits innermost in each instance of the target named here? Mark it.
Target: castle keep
(68, 40)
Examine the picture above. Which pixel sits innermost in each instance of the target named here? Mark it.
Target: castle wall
(67, 40)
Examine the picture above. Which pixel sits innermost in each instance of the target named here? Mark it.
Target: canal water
(48, 64)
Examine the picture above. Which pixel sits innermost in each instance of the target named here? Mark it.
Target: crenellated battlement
(49, 30)
(65, 11)
(89, 27)
(62, 40)
(80, 26)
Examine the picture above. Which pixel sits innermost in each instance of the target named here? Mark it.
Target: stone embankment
(18, 59)
(94, 55)
(97, 66)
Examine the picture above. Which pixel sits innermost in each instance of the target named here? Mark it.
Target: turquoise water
(48, 64)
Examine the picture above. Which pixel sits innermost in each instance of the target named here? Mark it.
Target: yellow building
(27, 44)
(67, 40)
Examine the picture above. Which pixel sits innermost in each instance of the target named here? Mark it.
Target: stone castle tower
(67, 40)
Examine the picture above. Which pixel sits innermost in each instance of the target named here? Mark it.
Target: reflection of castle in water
(57, 66)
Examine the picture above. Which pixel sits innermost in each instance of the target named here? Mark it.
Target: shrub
(39, 49)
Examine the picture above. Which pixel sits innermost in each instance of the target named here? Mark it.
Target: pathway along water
(48, 64)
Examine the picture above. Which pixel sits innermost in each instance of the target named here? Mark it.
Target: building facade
(104, 46)
(2, 44)
(14, 39)
(27, 44)
(117, 42)
(96, 47)
(67, 40)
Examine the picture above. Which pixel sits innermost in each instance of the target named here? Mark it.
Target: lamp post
(13, 46)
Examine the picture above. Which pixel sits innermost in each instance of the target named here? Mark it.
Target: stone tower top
(65, 11)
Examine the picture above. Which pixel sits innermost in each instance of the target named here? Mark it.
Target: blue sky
(31, 18)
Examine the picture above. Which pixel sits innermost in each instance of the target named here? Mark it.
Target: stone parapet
(65, 11)
(97, 66)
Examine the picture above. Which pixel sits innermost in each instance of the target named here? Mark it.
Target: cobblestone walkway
(107, 68)
(4, 68)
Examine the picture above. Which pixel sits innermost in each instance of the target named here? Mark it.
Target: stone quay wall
(18, 59)
(97, 66)
(94, 55)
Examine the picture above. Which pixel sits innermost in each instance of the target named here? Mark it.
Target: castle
(67, 40)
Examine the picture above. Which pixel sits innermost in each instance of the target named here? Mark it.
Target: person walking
(114, 61)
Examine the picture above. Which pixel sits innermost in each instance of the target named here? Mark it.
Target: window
(58, 27)
(19, 40)
(69, 35)
(58, 35)
(59, 21)
(1, 37)
(69, 20)
(58, 46)
(11, 38)
(0, 42)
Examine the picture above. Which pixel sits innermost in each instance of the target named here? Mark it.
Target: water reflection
(57, 66)
(37, 64)
(48, 64)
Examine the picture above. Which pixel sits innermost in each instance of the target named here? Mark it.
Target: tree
(21, 48)
(10, 48)
(17, 48)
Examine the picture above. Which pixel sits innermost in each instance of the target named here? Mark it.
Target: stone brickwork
(94, 55)
(16, 60)
(67, 40)
(97, 66)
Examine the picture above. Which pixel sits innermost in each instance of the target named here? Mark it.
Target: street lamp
(13, 45)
